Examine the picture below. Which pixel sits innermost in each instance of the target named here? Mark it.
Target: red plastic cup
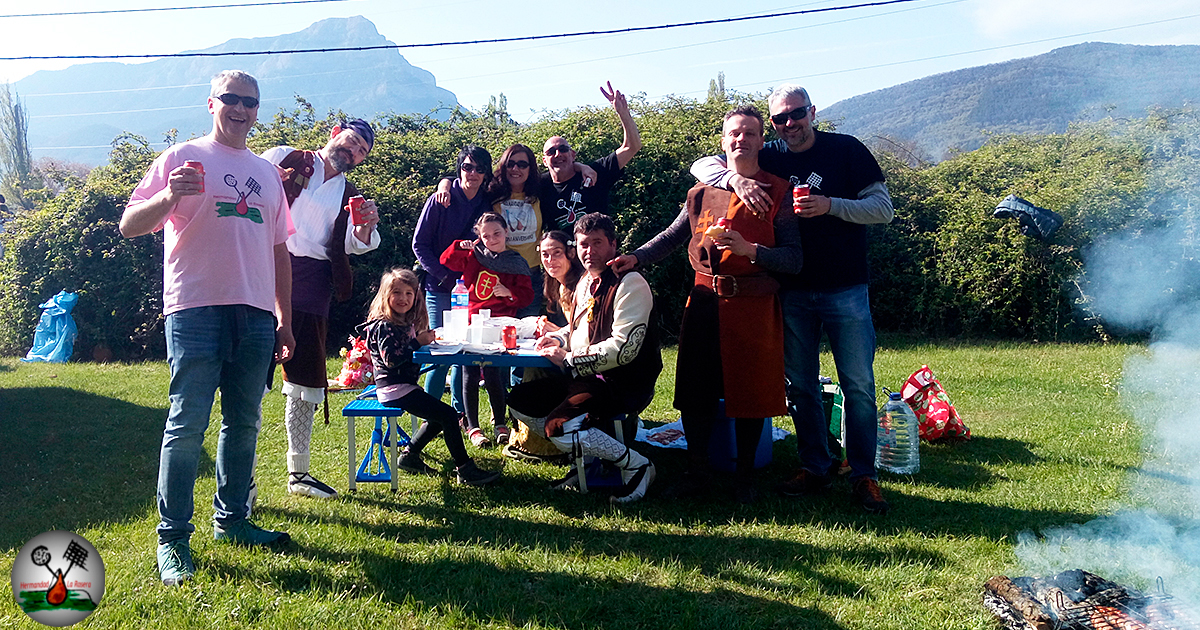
(199, 167)
(510, 337)
(356, 204)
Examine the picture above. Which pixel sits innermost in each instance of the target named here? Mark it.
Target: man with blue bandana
(326, 235)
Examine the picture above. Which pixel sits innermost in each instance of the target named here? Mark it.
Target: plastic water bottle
(459, 311)
(459, 296)
(897, 445)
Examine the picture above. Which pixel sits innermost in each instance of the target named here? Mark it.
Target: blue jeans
(435, 379)
(226, 347)
(845, 315)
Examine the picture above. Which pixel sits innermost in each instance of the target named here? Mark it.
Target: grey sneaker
(412, 463)
(175, 562)
(244, 532)
(472, 475)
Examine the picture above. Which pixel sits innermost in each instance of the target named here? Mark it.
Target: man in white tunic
(326, 234)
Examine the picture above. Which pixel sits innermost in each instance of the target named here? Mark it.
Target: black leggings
(494, 379)
(439, 418)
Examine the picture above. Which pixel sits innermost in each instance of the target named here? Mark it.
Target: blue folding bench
(366, 405)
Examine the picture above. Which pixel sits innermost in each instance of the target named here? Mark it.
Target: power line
(204, 6)
(632, 29)
(696, 44)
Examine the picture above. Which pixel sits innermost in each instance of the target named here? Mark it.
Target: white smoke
(1145, 281)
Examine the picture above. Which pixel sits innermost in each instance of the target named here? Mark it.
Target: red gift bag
(937, 415)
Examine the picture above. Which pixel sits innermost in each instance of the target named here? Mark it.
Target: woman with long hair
(514, 195)
(562, 272)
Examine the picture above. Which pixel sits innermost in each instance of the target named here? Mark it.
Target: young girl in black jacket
(398, 325)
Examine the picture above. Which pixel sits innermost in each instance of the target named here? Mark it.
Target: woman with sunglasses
(514, 194)
(442, 223)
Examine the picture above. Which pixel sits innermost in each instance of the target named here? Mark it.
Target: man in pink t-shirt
(227, 301)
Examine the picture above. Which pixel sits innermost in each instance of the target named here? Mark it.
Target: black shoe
(569, 481)
(412, 463)
(472, 475)
(805, 483)
(866, 490)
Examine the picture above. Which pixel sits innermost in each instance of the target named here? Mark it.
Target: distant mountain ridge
(153, 97)
(1042, 94)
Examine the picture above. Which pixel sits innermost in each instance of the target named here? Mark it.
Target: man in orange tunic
(731, 338)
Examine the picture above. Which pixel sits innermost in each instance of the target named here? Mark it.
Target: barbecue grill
(1079, 600)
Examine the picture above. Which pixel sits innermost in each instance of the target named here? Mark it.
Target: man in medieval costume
(731, 338)
(319, 197)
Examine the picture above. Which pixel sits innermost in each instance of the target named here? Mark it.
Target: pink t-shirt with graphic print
(219, 246)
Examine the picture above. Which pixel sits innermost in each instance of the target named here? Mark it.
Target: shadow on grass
(965, 465)
(486, 587)
(71, 459)
(540, 599)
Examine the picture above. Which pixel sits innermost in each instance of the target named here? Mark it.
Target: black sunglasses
(522, 164)
(795, 115)
(232, 99)
(468, 167)
(556, 149)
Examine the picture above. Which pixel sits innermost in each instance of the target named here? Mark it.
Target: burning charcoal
(1078, 600)
(1004, 612)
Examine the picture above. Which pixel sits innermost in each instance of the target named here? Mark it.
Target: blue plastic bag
(54, 337)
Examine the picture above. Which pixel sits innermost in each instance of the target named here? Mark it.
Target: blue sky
(836, 55)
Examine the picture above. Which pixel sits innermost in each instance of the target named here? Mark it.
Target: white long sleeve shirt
(315, 210)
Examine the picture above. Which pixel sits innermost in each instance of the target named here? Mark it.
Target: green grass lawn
(79, 451)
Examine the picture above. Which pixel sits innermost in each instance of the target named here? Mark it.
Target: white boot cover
(298, 415)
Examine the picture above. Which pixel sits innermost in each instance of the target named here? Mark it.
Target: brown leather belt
(730, 286)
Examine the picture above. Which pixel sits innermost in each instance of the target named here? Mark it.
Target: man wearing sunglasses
(568, 192)
(326, 235)
(227, 301)
(846, 192)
